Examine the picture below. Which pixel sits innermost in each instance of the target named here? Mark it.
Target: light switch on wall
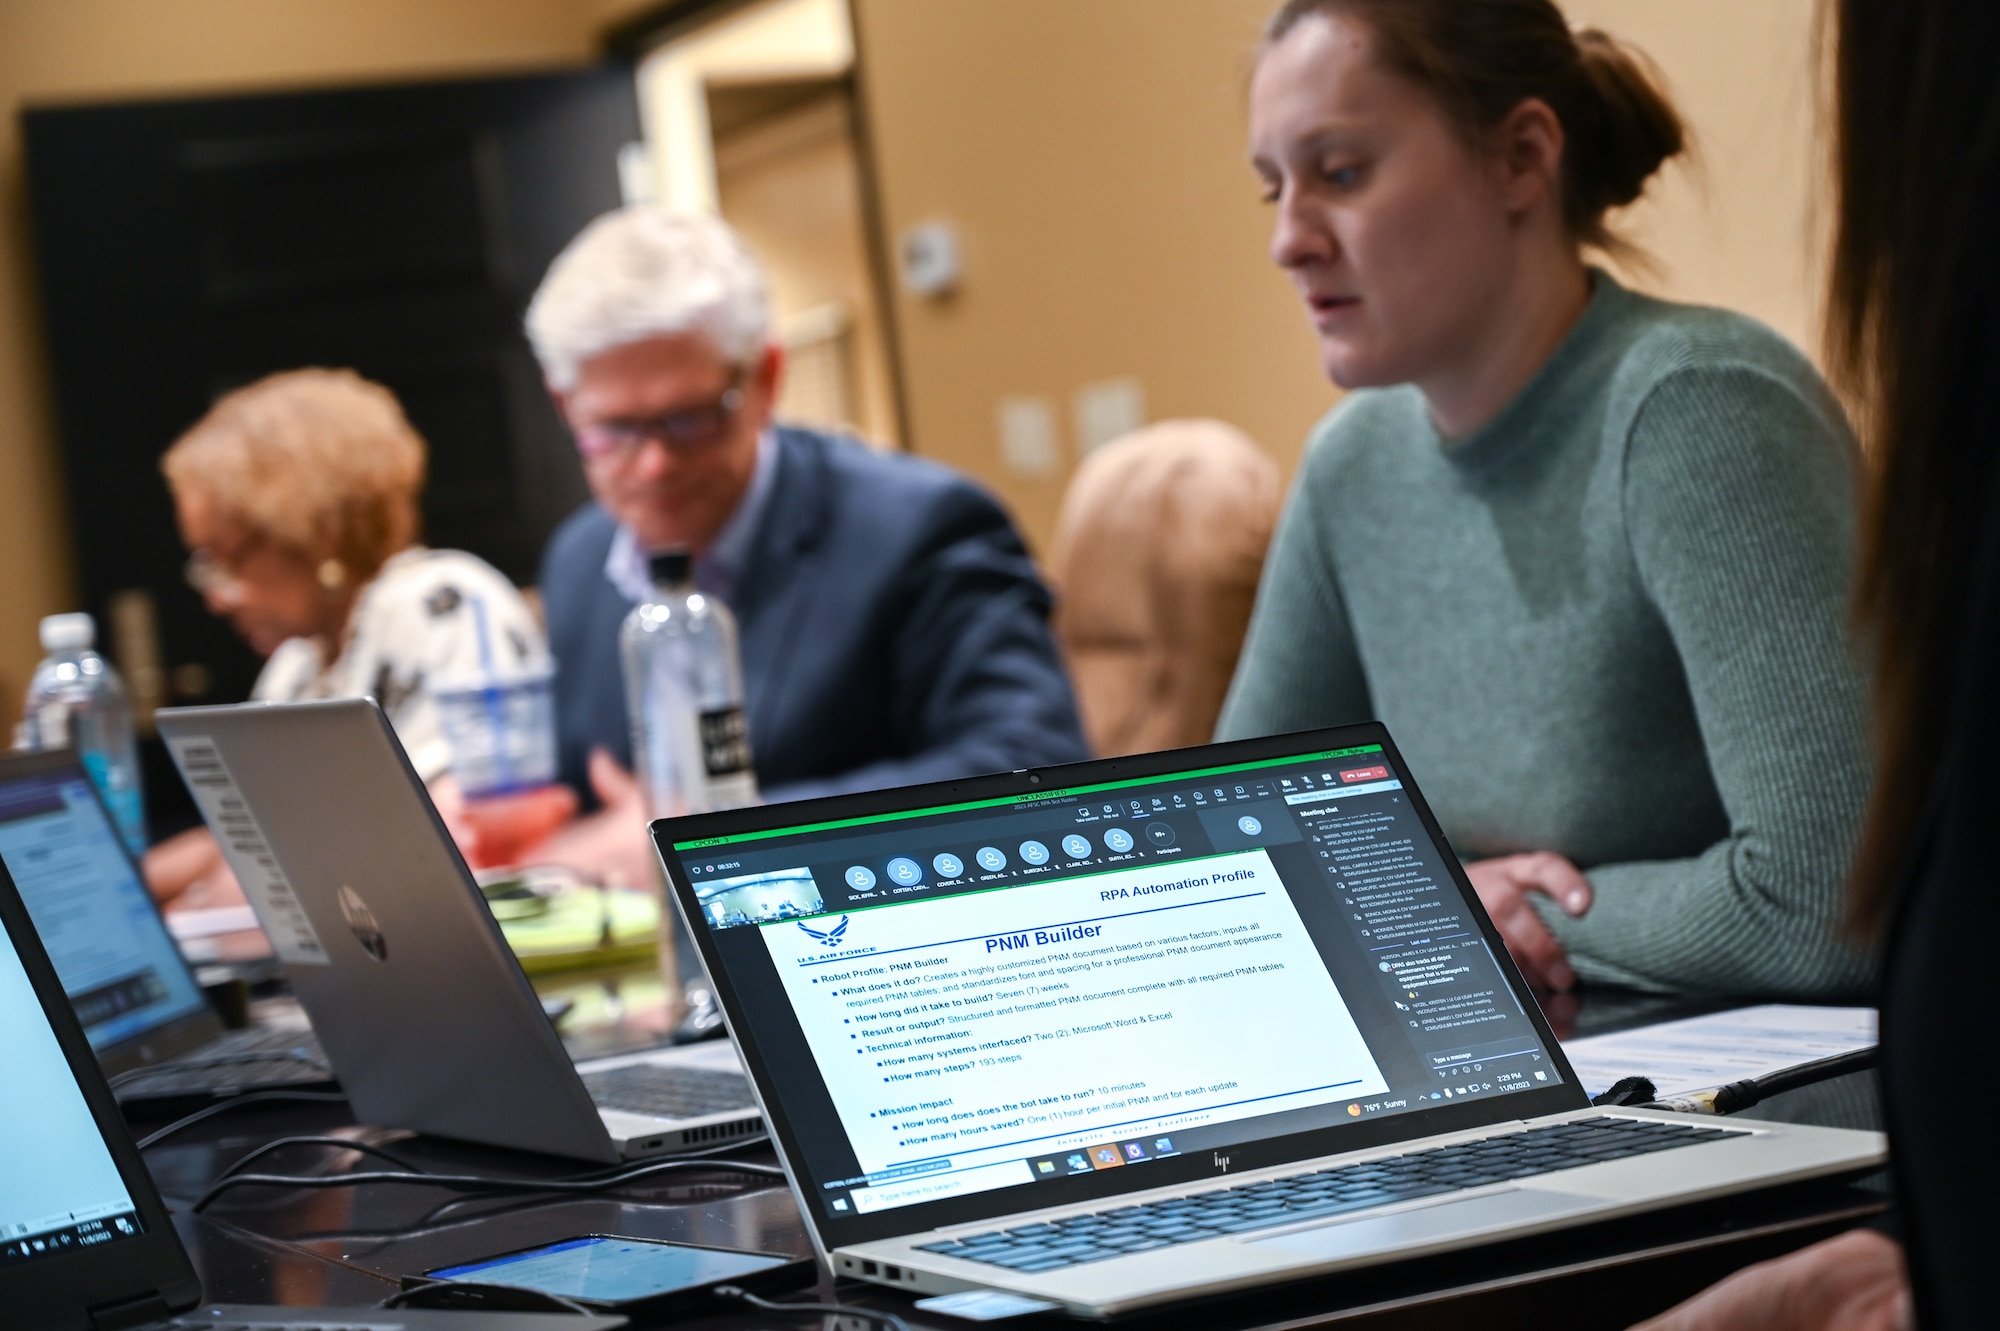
(1028, 442)
(1105, 410)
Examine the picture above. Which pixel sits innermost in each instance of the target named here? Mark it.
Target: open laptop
(155, 1035)
(85, 1241)
(421, 1007)
(1129, 1032)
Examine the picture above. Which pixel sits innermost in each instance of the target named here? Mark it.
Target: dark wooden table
(349, 1246)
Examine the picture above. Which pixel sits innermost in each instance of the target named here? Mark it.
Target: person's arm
(978, 684)
(187, 872)
(1856, 1282)
(1299, 668)
(1739, 504)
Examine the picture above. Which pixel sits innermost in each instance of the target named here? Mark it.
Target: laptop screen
(63, 1190)
(117, 961)
(1138, 978)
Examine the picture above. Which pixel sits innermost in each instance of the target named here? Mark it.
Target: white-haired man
(893, 627)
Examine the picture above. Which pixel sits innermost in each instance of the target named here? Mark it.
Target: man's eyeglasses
(688, 430)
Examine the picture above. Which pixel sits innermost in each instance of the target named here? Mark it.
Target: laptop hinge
(132, 1312)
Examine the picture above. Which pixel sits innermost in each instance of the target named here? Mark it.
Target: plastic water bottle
(684, 696)
(76, 699)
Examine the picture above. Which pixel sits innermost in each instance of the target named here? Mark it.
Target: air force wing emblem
(829, 937)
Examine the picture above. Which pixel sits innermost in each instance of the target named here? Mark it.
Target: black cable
(237, 1102)
(225, 1061)
(430, 1223)
(1740, 1095)
(476, 1183)
(890, 1320)
(339, 1143)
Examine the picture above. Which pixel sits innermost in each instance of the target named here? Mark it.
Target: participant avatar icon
(1034, 852)
(991, 858)
(948, 865)
(1249, 826)
(1076, 846)
(905, 872)
(861, 878)
(1118, 839)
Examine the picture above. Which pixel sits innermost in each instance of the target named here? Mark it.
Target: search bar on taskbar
(931, 1187)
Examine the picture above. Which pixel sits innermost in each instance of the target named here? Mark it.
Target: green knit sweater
(1610, 624)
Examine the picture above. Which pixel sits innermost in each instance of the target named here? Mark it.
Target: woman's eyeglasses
(213, 575)
(688, 430)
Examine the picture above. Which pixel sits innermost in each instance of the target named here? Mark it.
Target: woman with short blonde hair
(321, 461)
(297, 497)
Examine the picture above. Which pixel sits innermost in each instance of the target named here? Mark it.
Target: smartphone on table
(617, 1274)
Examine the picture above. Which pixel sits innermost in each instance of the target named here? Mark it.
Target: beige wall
(1738, 229)
(57, 50)
(1091, 153)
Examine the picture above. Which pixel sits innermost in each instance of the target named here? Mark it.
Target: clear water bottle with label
(77, 700)
(684, 696)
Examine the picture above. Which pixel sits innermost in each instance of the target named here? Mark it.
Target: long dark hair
(1482, 58)
(1914, 334)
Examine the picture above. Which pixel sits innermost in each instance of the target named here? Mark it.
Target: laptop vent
(742, 1127)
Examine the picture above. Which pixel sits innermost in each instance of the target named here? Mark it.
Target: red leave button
(1365, 774)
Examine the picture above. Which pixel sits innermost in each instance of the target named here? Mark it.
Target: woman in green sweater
(1584, 552)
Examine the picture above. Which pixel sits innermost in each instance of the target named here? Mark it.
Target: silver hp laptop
(85, 1241)
(1129, 1032)
(421, 1007)
(154, 1033)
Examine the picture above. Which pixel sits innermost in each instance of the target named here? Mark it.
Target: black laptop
(154, 1033)
(85, 1241)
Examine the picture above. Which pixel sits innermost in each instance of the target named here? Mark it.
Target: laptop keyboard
(646, 1088)
(234, 1061)
(1074, 1240)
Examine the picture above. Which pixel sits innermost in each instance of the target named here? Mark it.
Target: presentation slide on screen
(960, 1034)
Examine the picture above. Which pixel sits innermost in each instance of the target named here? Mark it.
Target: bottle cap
(672, 567)
(68, 633)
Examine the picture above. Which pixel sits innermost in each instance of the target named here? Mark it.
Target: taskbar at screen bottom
(46, 1239)
(1097, 1156)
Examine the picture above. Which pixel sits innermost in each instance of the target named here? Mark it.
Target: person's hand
(187, 872)
(495, 830)
(1503, 885)
(610, 845)
(1856, 1282)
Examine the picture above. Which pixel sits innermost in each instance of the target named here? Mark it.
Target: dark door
(188, 247)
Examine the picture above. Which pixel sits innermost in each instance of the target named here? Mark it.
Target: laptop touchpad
(1428, 1224)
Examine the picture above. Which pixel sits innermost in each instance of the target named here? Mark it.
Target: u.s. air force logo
(828, 937)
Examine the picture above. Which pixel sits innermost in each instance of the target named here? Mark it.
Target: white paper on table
(1697, 1053)
(209, 921)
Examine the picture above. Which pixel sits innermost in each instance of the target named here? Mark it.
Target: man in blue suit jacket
(893, 628)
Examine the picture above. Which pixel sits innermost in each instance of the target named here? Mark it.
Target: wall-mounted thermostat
(928, 258)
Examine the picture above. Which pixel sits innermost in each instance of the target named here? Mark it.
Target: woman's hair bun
(1625, 132)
